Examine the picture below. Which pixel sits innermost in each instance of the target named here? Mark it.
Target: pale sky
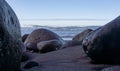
(65, 12)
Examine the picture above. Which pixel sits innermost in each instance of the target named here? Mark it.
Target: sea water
(67, 33)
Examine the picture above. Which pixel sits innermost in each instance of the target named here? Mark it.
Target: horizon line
(63, 19)
(59, 26)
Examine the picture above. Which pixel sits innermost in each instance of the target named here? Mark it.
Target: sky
(65, 12)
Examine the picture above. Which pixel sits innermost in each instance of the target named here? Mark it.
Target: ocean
(67, 33)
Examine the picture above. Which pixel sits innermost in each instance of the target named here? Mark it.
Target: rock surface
(112, 68)
(87, 39)
(103, 45)
(82, 35)
(24, 37)
(50, 45)
(71, 43)
(10, 39)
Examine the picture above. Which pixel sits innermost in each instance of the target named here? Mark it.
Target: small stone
(30, 65)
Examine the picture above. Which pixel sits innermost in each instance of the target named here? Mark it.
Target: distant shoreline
(58, 26)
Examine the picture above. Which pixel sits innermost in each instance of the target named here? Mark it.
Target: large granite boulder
(10, 39)
(40, 35)
(103, 44)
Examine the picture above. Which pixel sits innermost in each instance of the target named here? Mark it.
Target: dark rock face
(87, 40)
(82, 35)
(32, 47)
(103, 44)
(10, 39)
(24, 37)
(40, 35)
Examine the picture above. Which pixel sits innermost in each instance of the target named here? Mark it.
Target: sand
(68, 59)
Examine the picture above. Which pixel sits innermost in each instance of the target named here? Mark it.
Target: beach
(68, 59)
(58, 41)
